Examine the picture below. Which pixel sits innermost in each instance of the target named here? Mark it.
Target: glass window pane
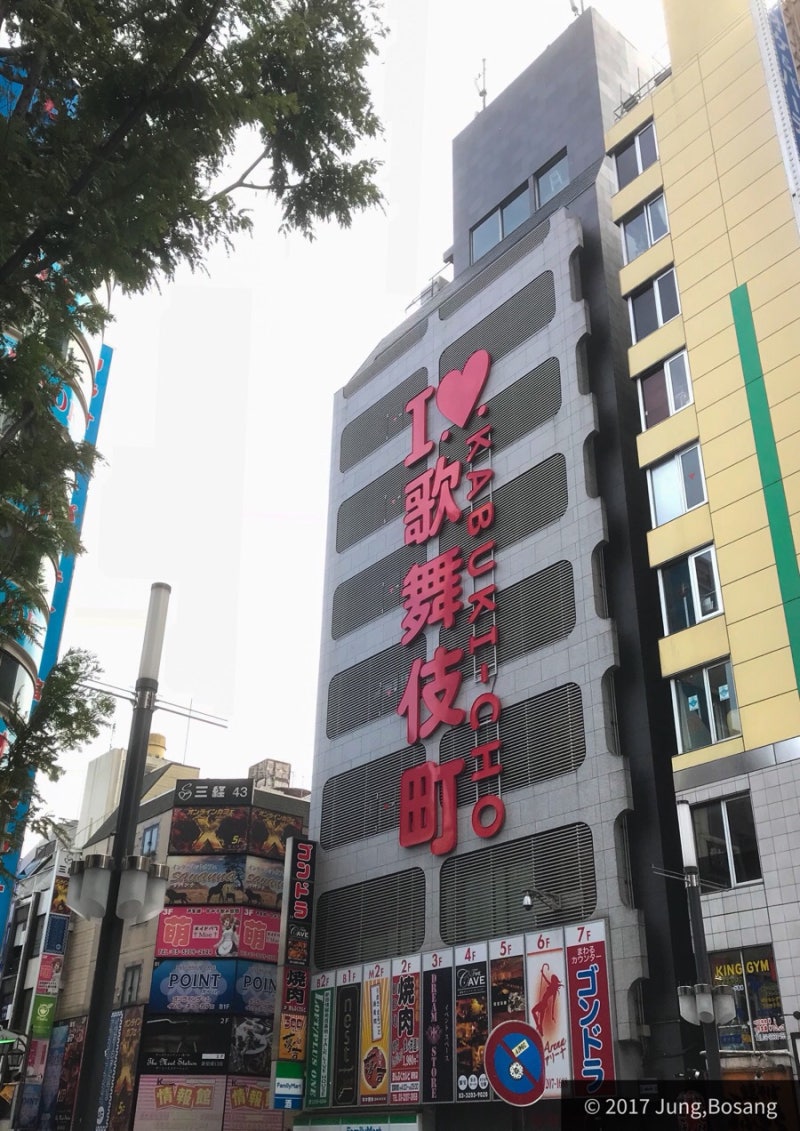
(693, 722)
(658, 218)
(627, 165)
(727, 970)
(656, 401)
(712, 851)
(667, 494)
(636, 236)
(647, 146)
(764, 997)
(516, 212)
(485, 235)
(668, 296)
(744, 847)
(678, 372)
(678, 602)
(645, 315)
(723, 701)
(706, 581)
(552, 180)
(693, 483)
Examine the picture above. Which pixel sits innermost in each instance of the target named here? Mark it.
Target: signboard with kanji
(589, 1004)
(547, 1000)
(182, 1103)
(373, 1071)
(404, 1068)
(438, 1028)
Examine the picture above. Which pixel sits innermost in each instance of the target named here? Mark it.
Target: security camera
(527, 901)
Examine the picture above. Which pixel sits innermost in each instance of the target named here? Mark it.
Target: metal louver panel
(380, 918)
(512, 323)
(373, 592)
(541, 738)
(364, 801)
(518, 251)
(380, 422)
(372, 507)
(370, 689)
(481, 892)
(516, 410)
(391, 353)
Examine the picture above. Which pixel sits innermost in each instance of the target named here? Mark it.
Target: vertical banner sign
(472, 1021)
(348, 1013)
(109, 1070)
(507, 979)
(547, 1002)
(294, 955)
(319, 1060)
(404, 1078)
(438, 1031)
(122, 1097)
(589, 1004)
(373, 1069)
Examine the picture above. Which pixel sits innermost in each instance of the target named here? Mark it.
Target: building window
(653, 305)
(665, 391)
(131, 978)
(704, 703)
(552, 179)
(689, 590)
(644, 227)
(759, 1023)
(725, 834)
(677, 485)
(150, 840)
(639, 154)
(500, 223)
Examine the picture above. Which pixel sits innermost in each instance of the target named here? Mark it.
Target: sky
(216, 433)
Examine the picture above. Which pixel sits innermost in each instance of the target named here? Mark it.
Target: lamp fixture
(549, 898)
(142, 887)
(707, 1005)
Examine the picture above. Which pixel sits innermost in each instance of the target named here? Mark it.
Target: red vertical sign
(404, 1086)
(589, 1004)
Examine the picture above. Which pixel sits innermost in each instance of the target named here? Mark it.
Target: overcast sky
(216, 431)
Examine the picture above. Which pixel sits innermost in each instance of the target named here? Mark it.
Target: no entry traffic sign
(514, 1062)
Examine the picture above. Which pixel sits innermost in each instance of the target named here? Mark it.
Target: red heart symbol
(460, 389)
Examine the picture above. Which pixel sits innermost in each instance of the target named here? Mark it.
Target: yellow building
(708, 211)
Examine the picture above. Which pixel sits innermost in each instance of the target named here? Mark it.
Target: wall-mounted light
(551, 900)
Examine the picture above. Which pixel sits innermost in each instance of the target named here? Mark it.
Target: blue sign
(514, 1062)
(192, 985)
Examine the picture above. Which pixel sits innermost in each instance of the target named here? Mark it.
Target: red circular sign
(514, 1062)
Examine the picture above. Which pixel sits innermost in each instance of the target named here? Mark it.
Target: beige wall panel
(720, 75)
(680, 536)
(675, 87)
(693, 155)
(764, 677)
(788, 453)
(641, 113)
(713, 353)
(771, 720)
(781, 276)
(713, 257)
(733, 483)
(641, 188)
(697, 222)
(791, 485)
(708, 754)
(667, 436)
(776, 315)
(724, 416)
(668, 339)
(737, 124)
(707, 307)
(676, 141)
(758, 635)
(713, 386)
(728, 449)
(646, 266)
(749, 84)
(769, 186)
(744, 557)
(786, 420)
(751, 595)
(767, 156)
(694, 646)
(779, 347)
(742, 147)
(677, 115)
(762, 238)
(687, 186)
(691, 28)
(740, 519)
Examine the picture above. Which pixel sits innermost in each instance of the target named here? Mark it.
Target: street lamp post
(101, 1001)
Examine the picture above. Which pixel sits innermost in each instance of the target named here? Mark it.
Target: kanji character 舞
(438, 695)
(432, 593)
(429, 501)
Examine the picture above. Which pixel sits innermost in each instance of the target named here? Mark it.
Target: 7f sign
(454, 588)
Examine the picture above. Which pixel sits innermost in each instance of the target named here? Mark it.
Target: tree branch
(240, 182)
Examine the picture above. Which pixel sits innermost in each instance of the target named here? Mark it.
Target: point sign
(514, 1060)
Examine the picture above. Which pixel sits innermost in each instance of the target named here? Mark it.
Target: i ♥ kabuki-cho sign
(443, 590)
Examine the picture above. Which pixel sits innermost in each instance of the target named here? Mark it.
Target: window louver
(373, 592)
(370, 689)
(380, 918)
(380, 422)
(373, 506)
(364, 801)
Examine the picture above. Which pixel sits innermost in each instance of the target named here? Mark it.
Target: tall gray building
(492, 809)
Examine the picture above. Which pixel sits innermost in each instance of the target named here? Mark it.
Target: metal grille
(372, 507)
(364, 801)
(517, 410)
(372, 592)
(392, 352)
(512, 323)
(541, 738)
(522, 506)
(495, 270)
(370, 689)
(531, 614)
(481, 892)
(380, 422)
(380, 918)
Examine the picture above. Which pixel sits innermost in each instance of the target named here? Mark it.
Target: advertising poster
(247, 1106)
(199, 932)
(37, 1059)
(251, 1046)
(55, 935)
(70, 1071)
(259, 935)
(294, 1014)
(472, 1021)
(28, 1111)
(438, 1029)
(507, 979)
(256, 986)
(124, 1094)
(591, 1036)
(547, 1001)
(205, 880)
(348, 1015)
(752, 974)
(58, 901)
(180, 1103)
(263, 883)
(43, 1014)
(202, 829)
(49, 978)
(185, 1046)
(270, 831)
(319, 1061)
(404, 1067)
(52, 1075)
(109, 1069)
(373, 1077)
(192, 985)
